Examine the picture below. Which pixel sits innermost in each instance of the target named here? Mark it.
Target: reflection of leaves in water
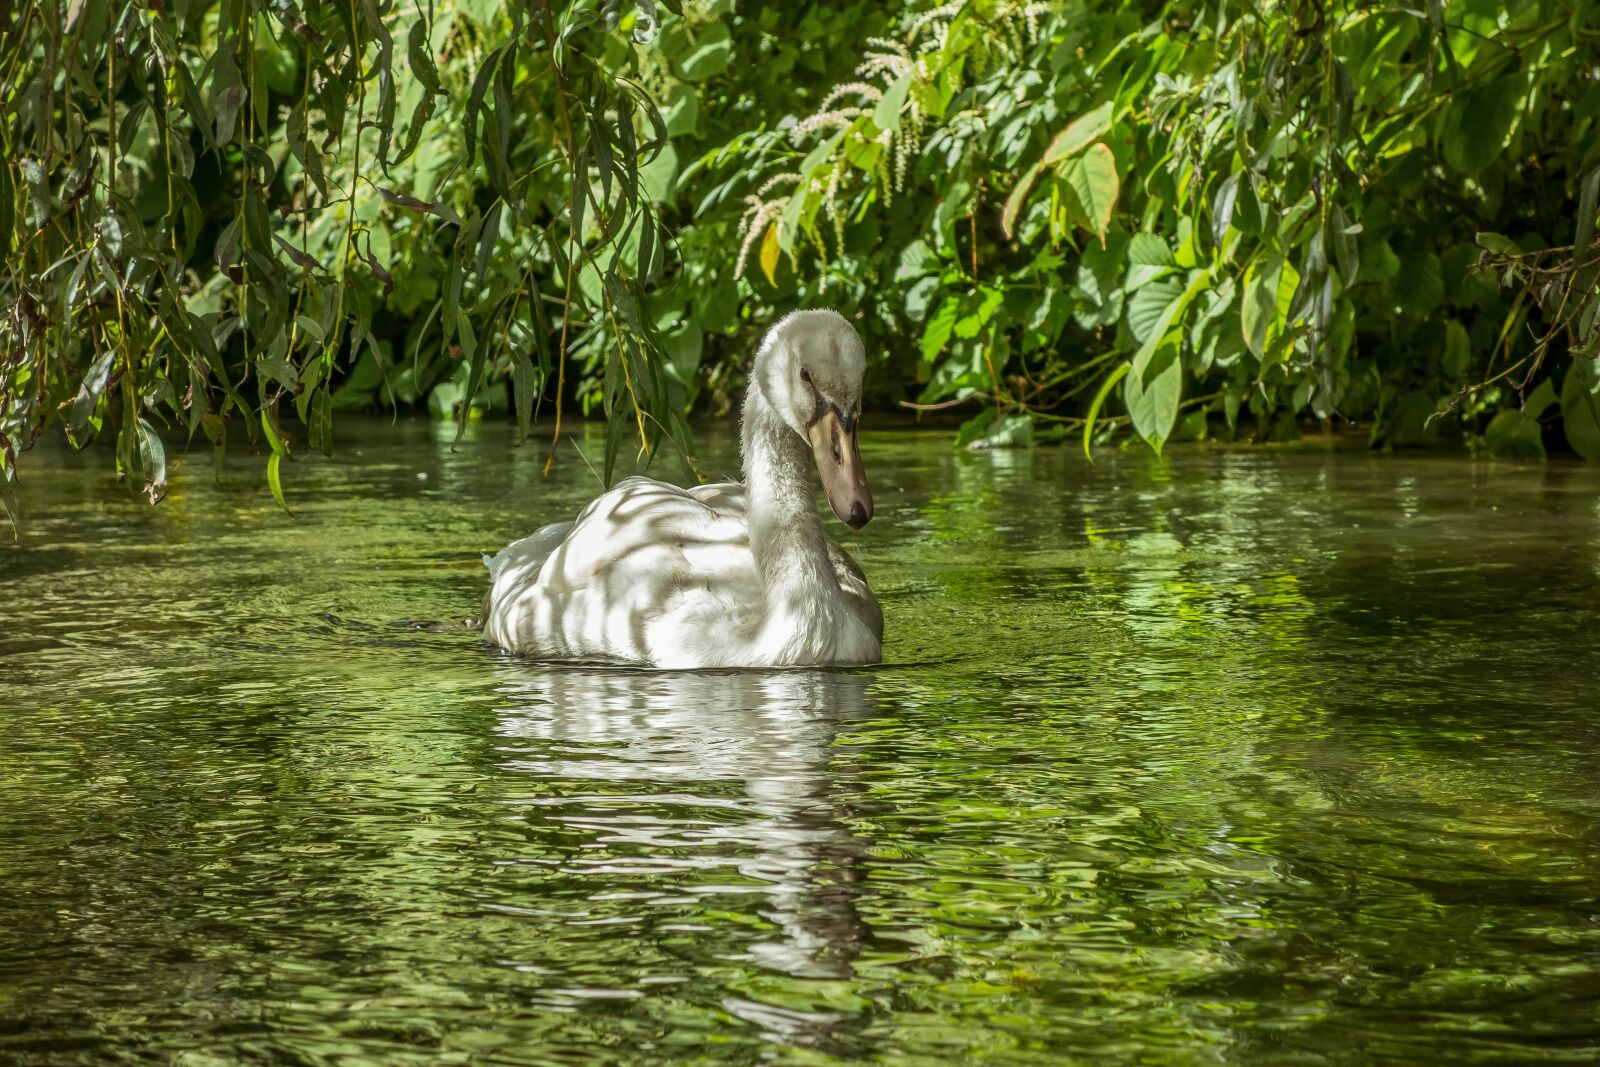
(1239, 756)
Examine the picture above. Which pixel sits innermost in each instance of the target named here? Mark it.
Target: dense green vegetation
(1189, 218)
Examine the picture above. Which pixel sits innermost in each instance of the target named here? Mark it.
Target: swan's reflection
(747, 754)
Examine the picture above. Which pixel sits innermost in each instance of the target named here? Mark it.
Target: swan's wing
(723, 498)
(528, 552)
(642, 552)
(853, 583)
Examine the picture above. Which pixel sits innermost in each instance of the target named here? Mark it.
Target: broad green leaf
(1148, 249)
(1153, 394)
(886, 115)
(970, 325)
(1093, 180)
(1498, 243)
(1540, 400)
(1079, 134)
(682, 112)
(1169, 315)
(712, 52)
(1478, 123)
(937, 333)
(1149, 258)
(1457, 357)
(684, 349)
(656, 178)
(1151, 308)
(1269, 287)
(1514, 435)
(1580, 408)
(1247, 213)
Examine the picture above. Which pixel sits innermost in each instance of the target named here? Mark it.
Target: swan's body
(723, 575)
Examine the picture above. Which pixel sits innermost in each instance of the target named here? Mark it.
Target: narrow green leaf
(480, 86)
(227, 93)
(1583, 280)
(1342, 235)
(8, 488)
(522, 389)
(1222, 202)
(421, 57)
(1014, 202)
(153, 461)
(937, 333)
(1096, 404)
(275, 483)
(8, 207)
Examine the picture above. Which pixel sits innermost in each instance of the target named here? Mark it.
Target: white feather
(723, 575)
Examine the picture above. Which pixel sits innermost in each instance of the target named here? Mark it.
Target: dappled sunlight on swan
(724, 575)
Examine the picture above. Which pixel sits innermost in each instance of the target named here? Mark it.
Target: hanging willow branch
(204, 207)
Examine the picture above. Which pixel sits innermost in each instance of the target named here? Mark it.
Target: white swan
(723, 575)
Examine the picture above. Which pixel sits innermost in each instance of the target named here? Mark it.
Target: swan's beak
(833, 444)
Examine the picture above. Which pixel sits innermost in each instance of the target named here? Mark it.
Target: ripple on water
(1249, 756)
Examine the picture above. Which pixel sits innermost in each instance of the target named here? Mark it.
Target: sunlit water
(1248, 756)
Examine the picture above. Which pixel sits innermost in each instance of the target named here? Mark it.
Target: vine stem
(572, 239)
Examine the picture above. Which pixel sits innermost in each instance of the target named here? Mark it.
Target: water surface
(1245, 756)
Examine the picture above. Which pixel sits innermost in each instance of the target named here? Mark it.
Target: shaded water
(1245, 757)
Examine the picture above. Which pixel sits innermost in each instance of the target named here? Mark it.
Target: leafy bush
(1344, 213)
(1068, 216)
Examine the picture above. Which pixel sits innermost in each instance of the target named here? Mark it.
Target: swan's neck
(786, 538)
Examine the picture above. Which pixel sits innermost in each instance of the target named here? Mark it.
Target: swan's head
(809, 370)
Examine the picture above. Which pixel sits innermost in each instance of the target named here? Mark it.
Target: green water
(1246, 757)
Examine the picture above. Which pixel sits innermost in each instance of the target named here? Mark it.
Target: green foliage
(276, 209)
(1092, 212)
(1342, 214)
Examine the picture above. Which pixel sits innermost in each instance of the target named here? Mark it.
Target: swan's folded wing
(724, 499)
(853, 583)
(635, 554)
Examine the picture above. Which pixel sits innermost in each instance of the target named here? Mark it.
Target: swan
(723, 575)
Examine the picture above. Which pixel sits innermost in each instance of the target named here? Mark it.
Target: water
(1251, 756)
